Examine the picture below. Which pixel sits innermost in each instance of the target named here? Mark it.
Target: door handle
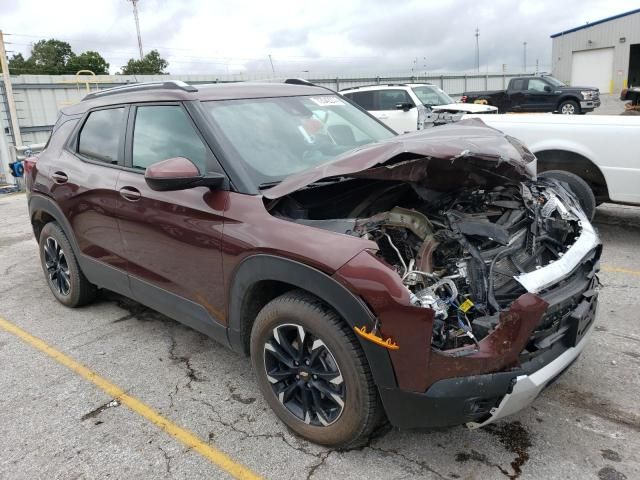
(383, 116)
(59, 177)
(131, 194)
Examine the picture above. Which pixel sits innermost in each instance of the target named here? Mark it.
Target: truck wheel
(569, 107)
(312, 371)
(64, 277)
(578, 187)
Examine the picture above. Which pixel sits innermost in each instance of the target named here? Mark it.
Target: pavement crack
(167, 459)
(322, 456)
(97, 411)
(424, 466)
(10, 268)
(481, 458)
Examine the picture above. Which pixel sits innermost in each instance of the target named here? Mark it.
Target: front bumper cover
(478, 400)
(589, 104)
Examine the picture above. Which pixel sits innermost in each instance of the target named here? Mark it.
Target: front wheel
(578, 186)
(312, 371)
(569, 107)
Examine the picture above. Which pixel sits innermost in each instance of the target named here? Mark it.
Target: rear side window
(517, 85)
(162, 132)
(388, 99)
(364, 99)
(100, 135)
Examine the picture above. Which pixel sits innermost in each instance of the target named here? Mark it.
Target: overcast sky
(308, 38)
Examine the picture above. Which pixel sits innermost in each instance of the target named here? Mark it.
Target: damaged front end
(487, 270)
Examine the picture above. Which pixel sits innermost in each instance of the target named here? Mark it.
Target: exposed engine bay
(458, 252)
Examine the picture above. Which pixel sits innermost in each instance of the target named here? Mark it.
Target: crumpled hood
(442, 158)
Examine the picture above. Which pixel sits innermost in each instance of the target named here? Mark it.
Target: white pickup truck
(604, 150)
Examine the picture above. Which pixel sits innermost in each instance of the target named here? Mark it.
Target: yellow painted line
(609, 268)
(212, 454)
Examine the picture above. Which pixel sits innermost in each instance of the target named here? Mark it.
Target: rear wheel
(569, 107)
(62, 272)
(312, 371)
(579, 187)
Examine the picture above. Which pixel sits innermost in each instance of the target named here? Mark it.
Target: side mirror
(404, 106)
(179, 173)
(547, 88)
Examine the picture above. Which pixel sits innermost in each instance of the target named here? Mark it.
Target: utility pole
(524, 58)
(273, 70)
(8, 90)
(477, 49)
(135, 15)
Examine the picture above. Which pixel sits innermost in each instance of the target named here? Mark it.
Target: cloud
(335, 38)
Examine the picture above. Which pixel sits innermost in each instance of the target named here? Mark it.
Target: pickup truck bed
(601, 149)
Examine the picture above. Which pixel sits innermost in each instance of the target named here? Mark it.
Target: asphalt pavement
(59, 421)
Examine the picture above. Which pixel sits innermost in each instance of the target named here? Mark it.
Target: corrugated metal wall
(40, 97)
(602, 35)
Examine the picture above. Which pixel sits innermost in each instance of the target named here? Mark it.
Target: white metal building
(603, 54)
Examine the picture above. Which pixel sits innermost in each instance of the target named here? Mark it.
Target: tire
(61, 270)
(578, 187)
(569, 107)
(349, 406)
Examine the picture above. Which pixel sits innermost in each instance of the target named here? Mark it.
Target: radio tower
(477, 49)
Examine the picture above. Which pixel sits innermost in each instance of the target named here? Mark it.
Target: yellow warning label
(466, 305)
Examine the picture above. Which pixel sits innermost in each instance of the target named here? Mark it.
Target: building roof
(608, 19)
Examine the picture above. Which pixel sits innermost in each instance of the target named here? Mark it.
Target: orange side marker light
(372, 337)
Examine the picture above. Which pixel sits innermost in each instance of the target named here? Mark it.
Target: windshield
(431, 96)
(276, 137)
(555, 82)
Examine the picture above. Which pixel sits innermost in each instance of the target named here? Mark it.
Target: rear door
(84, 179)
(516, 93)
(171, 239)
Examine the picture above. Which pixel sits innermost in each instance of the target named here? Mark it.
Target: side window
(388, 99)
(100, 135)
(162, 132)
(536, 85)
(517, 85)
(364, 99)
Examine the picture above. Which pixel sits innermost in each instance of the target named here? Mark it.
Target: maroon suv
(428, 278)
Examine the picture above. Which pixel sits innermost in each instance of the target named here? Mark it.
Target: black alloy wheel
(304, 375)
(57, 267)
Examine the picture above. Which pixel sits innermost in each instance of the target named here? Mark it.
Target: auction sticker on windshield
(327, 100)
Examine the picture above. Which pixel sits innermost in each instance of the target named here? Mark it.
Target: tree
(152, 63)
(55, 57)
(51, 56)
(88, 60)
(18, 65)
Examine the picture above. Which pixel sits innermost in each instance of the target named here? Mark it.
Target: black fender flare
(40, 203)
(565, 97)
(261, 267)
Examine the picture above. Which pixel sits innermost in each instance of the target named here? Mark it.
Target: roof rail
(164, 84)
(384, 85)
(299, 81)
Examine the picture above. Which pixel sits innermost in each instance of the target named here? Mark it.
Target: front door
(536, 98)
(171, 239)
(389, 109)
